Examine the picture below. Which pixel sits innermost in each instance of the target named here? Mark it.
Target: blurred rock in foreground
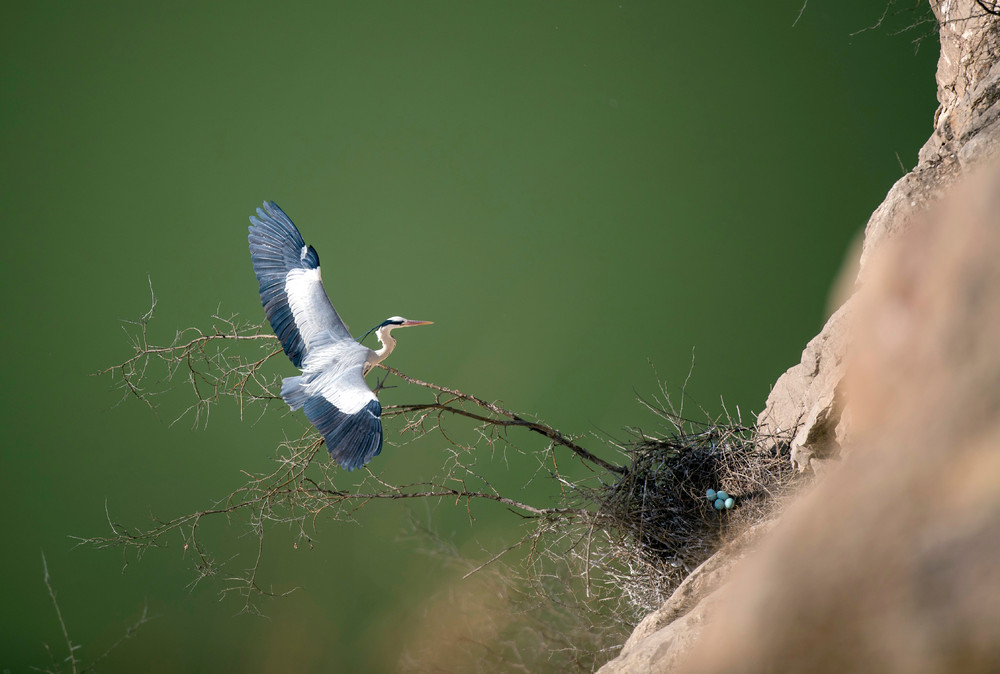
(889, 563)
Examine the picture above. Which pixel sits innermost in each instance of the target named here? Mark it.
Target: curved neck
(388, 343)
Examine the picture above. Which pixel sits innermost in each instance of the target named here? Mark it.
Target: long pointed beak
(407, 324)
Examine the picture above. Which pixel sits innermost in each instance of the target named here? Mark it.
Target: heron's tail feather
(293, 393)
(352, 439)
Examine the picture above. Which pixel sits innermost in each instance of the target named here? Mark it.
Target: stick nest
(660, 524)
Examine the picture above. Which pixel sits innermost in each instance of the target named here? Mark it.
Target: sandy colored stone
(805, 401)
(890, 564)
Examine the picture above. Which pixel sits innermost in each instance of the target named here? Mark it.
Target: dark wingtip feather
(352, 439)
(277, 247)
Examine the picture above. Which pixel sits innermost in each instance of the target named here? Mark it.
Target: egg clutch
(720, 499)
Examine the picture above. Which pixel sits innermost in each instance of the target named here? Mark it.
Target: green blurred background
(570, 190)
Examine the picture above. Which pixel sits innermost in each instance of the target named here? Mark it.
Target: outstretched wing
(291, 290)
(352, 439)
(339, 403)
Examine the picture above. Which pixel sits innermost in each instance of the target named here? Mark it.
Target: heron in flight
(331, 389)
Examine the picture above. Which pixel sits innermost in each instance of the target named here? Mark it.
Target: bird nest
(658, 516)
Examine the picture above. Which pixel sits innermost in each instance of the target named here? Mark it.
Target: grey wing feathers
(352, 439)
(343, 409)
(294, 299)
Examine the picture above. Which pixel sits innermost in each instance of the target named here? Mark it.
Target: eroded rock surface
(966, 134)
(889, 564)
(893, 544)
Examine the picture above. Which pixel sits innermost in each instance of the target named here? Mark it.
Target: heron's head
(391, 323)
(400, 322)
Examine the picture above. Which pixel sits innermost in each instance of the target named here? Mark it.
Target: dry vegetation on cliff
(659, 523)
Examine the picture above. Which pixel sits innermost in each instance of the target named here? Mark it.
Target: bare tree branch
(75, 663)
(989, 6)
(301, 489)
(615, 541)
(71, 649)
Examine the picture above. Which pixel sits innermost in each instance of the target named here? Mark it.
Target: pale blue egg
(719, 504)
(721, 494)
(710, 494)
(729, 503)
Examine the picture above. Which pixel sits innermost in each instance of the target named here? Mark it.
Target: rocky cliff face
(966, 133)
(899, 396)
(889, 563)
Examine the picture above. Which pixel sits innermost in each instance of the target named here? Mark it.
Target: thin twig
(62, 623)
(512, 419)
(802, 10)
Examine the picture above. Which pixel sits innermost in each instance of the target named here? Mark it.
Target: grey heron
(331, 389)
